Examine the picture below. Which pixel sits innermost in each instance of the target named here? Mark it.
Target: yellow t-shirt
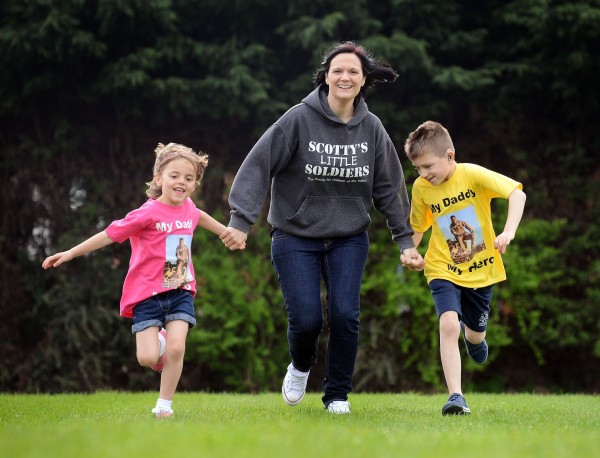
(461, 248)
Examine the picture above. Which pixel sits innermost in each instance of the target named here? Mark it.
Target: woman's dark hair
(375, 70)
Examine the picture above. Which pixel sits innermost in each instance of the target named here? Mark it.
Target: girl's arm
(516, 205)
(211, 224)
(100, 240)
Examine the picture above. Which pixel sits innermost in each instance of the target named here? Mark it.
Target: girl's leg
(147, 346)
(449, 351)
(177, 331)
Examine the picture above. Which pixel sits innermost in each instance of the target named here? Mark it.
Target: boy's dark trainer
(456, 405)
(477, 352)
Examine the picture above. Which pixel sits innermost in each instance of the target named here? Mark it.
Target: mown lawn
(119, 424)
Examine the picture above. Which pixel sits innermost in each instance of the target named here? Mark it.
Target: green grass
(119, 424)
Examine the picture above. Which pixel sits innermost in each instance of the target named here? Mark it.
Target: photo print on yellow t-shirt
(178, 259)
(463, 234)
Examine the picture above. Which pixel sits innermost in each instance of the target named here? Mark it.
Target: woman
(328, 161)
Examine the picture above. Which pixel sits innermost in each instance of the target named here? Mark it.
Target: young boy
(461, 281)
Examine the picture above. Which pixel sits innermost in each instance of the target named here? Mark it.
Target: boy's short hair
(429, 137)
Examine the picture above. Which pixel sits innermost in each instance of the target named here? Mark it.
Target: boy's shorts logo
(483, 319)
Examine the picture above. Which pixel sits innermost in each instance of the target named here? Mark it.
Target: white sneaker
(294, 386)
(162, 412)
(162, 339)
(339, 407)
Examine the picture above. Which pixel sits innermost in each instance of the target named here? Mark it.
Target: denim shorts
(471, 304)
(159, 309)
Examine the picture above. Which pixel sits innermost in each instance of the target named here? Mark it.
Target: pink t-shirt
(161, 243)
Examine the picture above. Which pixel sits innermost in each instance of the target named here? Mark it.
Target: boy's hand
(234, 239)
(503, 240)
(412, 259)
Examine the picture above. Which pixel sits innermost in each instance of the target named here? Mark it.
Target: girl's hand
(57, 259)
(234, 239)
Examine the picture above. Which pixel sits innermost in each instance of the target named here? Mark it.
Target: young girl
(154, 295)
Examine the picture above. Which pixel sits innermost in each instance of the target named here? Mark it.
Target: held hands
(234, 239)
(503, 240)
(412, 259)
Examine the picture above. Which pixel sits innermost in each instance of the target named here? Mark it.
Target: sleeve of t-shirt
(122, 229)
(496, 184)
(421, 218)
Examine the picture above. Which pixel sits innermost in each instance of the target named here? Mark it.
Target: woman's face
(345, 77)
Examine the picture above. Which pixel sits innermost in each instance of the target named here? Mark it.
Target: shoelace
(454, 397)
(295, 383)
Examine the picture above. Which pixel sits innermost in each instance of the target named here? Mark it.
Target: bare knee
(449, 325)
(175, 349)
(147, 359)
(473, 336)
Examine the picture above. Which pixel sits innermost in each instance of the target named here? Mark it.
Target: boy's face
(434, 168)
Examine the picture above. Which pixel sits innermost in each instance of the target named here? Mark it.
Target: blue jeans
(299, 264)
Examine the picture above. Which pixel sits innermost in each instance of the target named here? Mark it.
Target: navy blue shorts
(157, 310)
(471, 304)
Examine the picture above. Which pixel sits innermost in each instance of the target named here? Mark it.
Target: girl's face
(434, 168)
(177, 181)
(345, 77)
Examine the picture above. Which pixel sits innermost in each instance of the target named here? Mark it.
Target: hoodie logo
(338, 150)
(337, 161)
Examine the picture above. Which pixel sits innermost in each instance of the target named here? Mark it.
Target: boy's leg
(447, 299)
(476, 308)
(474, 337)
(449, 351)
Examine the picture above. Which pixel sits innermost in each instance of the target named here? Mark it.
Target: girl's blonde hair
(165, 154)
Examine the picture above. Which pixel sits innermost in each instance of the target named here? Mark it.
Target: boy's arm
(417, 237)
(208, 222)
(516, 205)
(100, 240)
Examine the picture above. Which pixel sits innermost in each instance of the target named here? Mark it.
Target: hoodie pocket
(330, 216)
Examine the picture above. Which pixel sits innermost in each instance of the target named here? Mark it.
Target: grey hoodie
(325, 175)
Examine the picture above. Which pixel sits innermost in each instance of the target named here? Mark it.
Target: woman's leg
(297, 263)
(343, 267)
